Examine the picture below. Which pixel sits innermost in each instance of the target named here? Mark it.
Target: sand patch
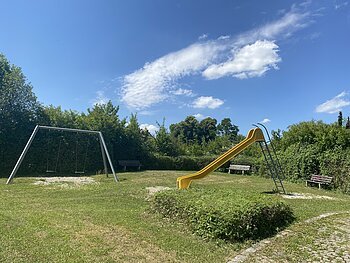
(155, 189)
(65, 182)
(307, 196)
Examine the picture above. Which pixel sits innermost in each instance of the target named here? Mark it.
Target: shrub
(177, 163)
(234, 217)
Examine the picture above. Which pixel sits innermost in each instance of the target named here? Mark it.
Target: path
(325, 238)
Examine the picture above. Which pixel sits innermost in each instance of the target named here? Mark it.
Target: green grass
(110, 222)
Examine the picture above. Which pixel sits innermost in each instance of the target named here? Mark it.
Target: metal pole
(23, 154)
(104, 158)
(108, 157)
(68, 129)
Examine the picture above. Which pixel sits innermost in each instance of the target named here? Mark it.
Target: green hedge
(190, 163)
(224, 215)
(185, 163)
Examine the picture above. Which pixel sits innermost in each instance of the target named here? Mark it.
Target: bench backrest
(239, 167)
(129, 163)
(321, 178)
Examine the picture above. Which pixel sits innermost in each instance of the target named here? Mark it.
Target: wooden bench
(130, 163)
(238, 167)
(320, 180)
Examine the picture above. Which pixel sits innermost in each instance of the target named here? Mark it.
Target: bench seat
(320, 180)
(130, 163)
(238, 167)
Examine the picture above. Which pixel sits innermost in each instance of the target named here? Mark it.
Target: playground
(103, 221)
(157, 216)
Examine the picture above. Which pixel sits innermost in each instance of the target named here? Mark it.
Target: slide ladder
(272, 161)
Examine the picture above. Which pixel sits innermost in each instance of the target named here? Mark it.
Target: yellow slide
(254, 135)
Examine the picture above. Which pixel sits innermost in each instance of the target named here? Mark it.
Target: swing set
(78, 170)
(53, 169)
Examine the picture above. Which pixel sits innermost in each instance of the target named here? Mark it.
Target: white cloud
(247, 55)
(100, 98)
(266, 120)
(202, 37)
(207, 102)
(335, 104)
(199, 116)
(249, 61)
(184, 92)
(223, 37)
(340, 5)
(283, 27)
(150, 85)
(146, 113)
(150, 127)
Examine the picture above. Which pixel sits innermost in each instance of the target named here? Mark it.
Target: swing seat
(79, 172)
(50, 171)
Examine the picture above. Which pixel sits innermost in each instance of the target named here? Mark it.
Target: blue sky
(278, 61)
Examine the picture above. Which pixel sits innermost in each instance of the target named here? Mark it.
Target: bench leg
(124, 168)
(319, 186)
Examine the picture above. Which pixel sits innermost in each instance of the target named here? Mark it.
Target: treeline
(306, 148)
(189, 144)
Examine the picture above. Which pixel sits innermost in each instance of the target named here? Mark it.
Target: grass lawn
(108, 222)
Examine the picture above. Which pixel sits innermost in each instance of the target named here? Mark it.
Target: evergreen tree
(347, 126)
(340, 119)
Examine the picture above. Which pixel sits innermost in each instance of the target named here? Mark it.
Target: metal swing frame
(104, 150)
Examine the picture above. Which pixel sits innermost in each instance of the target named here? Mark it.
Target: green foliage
(226, 128)
(199, 138)
(231, 216)
(336, 163)
(340, 119)
(185, 163)
(186, 131)
(19, 112)
(316, 148)
(207, 129)
(165, 144)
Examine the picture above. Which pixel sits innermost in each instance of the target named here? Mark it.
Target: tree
(164, 144)
(226, 128)
(19, 112)
(55, 116)
(207, 129)
(133, 147)
(340, 119)
(186, 131)
(347, 126)
(105, 118)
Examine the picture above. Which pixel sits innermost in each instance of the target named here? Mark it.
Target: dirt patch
(155, 189)
(307, 196)
(65, 182)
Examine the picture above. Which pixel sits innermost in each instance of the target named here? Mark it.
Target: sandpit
(65, 181)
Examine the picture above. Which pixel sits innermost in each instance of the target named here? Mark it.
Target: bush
(299, 162)
(336, 163)
(185, 163)
(230, 217)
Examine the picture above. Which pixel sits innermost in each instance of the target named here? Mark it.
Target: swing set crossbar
(103, 146)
